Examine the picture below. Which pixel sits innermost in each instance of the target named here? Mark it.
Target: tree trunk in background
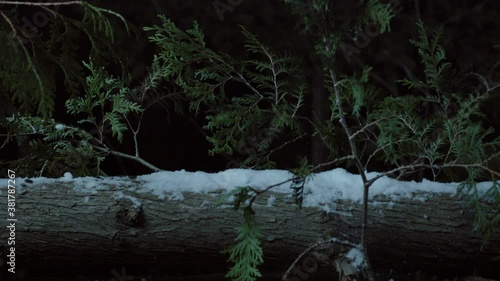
(320, 109)
(59, 225)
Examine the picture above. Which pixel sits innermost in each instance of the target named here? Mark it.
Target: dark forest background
(175, 141)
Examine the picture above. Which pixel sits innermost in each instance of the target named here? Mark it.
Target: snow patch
(271, 201)
(135, 202)
(67, 176)
(320, 190)
(172, 185)
(356, 257)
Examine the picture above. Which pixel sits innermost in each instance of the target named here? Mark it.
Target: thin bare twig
(312, 247)
(14, 32)
(336, 160)
(359, 166)
(128, 156)
(366, 127)
(41, 3)
(484, 82)
(434, 166)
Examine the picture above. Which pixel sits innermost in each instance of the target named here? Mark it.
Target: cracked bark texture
(62, 225)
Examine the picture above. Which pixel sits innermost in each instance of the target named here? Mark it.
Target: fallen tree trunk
(60, 224)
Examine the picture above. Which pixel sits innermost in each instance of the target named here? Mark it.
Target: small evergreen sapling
(104, 106)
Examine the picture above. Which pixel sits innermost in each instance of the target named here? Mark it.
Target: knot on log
(131, 216)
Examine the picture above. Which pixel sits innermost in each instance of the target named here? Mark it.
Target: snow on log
(168, 216)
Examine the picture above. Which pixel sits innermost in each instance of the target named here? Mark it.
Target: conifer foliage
(272, 90)
(378, 127)
(436, 127)
(76, 148)
(30, 57)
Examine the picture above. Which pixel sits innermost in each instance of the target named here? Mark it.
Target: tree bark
(62, 225)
